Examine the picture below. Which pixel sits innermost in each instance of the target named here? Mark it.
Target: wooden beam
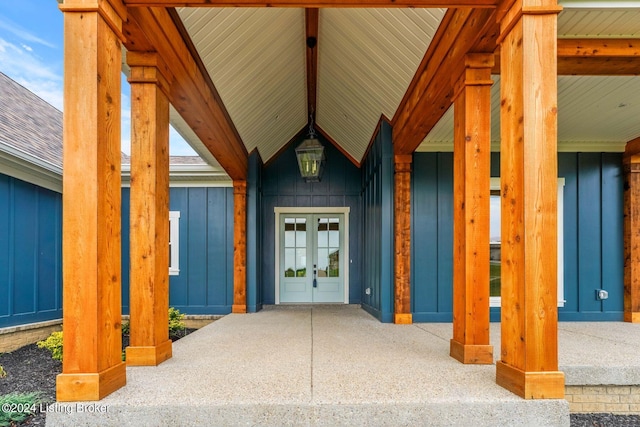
(471, 193)
(632, 232)
(430, 93)
(91, 196)
(402, 219)
(595, 57)
(149, 285)
(311, 25)
(529, 174)
(239, 247)
(191, 91)
(315, 3)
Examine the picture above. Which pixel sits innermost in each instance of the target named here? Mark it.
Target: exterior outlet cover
(367, 291)
(601, 294)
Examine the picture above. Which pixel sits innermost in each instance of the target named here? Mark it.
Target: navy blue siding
(593, 239)
(254, 234)
(205, 282)
(30, 253)
(283, 186)
(377, 202)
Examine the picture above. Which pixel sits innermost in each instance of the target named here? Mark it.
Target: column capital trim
(112, 14)
(402, 159)
(512, 16)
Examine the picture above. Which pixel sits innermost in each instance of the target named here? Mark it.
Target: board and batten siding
(593, 239)
(205, 282)
(30, 253)
(282, 186)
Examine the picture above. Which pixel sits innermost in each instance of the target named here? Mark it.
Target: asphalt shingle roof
(28, 123)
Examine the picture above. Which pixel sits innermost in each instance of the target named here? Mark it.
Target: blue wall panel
(282, 186)
(205, 282)
(593, 239)
(30, 253)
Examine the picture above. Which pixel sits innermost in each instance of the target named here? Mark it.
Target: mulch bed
(31, 369)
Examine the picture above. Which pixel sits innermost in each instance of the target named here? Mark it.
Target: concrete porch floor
(337, 365)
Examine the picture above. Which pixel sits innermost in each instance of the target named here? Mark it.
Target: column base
(530, 385)
(403, 318)
(632, 317)
(80, 387)
(238, 308)
(471, 354)
(149, 355)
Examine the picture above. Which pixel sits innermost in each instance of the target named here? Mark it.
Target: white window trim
(496, 301)
(305, 210)
(174, 243)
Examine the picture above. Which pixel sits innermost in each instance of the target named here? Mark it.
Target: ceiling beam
(595, 57)
(314, 3)
(311, 24)
(429, 95)
(192, 92)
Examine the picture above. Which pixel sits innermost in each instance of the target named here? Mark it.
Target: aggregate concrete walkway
(337, 365)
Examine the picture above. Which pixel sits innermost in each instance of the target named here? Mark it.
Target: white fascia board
(26, 167)
(563, 147)
(188, 176)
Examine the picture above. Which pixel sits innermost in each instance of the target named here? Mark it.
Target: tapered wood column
(529, 348)
(239, 247)
(402, 219)
(92, 366)
(632, 232)
(149, 240)
(471, 193)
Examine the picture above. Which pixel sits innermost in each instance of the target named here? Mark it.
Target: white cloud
(20, 32)
(27, 48)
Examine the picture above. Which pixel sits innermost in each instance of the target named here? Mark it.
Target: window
(174, 243)
(495, 240)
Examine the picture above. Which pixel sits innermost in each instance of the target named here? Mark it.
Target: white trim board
(306, 210)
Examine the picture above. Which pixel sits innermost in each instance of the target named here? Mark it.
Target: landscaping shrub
(54, 344)
(3, 373)
(176, 321)
(17, 407)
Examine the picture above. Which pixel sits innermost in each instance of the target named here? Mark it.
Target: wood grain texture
(402, 226)
(149, 211)
(471, 182)
(430, 93)
(92, 248)
(192, 93)
(239, 247)
(529, 196)
(632, 232)
(530, 385)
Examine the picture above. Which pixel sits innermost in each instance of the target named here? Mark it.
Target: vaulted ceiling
(366, 59)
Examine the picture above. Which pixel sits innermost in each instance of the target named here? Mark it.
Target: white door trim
(324, 210)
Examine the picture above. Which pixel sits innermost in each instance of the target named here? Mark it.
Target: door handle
(315, 272)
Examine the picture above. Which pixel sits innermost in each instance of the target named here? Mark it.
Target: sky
(31, 53)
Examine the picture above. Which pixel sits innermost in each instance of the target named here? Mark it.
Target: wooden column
(239, 247)
(632, 232)
(402, 219)
(92, 366)
(472, 183)
(149, 241)
(529, 348)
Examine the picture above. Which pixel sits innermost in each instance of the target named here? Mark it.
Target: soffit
(594, 112)
(256, 60)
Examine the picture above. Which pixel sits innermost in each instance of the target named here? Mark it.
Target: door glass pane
(323, 262)
(301, 262)
(334, 232)
(289, 233)
(334, 262)
(495, 238)
(289, 262)
(301, 232)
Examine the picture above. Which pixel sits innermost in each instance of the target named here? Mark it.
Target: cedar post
(149, 290)
(529, 348)
(632, 232)
(239, 247)
(471, 182)
(92, 306)
(402, 219)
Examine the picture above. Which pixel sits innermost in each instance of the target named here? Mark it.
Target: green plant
(176, 321)
(17, 407)
(125, 328)
(54, 344)
(3, 373)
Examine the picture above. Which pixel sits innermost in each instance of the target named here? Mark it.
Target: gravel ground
(32, 369)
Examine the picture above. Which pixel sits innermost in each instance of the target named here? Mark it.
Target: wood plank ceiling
(366, 58)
